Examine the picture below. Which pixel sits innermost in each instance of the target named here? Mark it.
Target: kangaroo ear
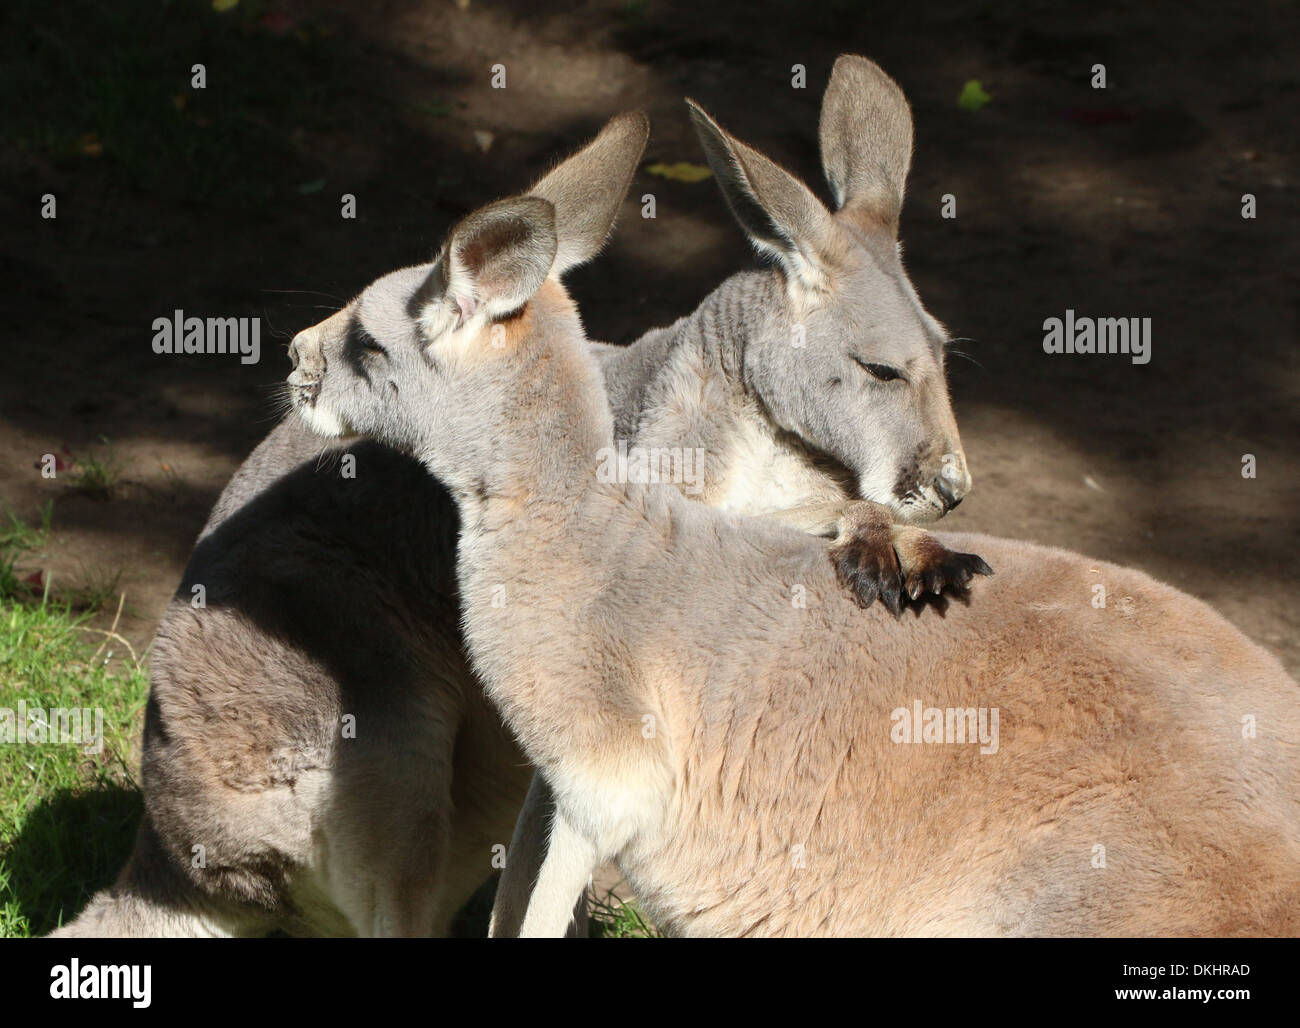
(587, 189)
(866, 140)
(779, 213)
(499, 256)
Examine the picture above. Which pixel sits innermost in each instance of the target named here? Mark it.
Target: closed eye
(358, 340)
(369, 343)
(363, 342)
(880, 372)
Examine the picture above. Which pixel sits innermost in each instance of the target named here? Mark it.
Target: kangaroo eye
(880, 372)
(369, 343)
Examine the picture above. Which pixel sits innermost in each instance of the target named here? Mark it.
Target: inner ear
(499, 256)
(779, 213)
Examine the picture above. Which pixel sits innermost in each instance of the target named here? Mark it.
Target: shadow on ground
(71, 845)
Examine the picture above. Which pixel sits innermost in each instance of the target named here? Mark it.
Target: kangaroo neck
(682, 393)
(705, 350)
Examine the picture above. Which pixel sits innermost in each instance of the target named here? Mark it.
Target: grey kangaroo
(318, 757)
(758, 766)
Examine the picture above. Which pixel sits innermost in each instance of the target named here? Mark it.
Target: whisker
(279, 402)
(949, 343)
(271, 331)
(967, 356)
(329, 458)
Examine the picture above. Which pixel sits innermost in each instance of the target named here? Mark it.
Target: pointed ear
(587, 189)
(866, 140)
(499, 256)
(778, 212)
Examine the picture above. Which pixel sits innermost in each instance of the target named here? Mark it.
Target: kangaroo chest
(760, 472)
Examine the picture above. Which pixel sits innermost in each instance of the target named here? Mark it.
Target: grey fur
(330, 597)
(866, 171)
(848, 309)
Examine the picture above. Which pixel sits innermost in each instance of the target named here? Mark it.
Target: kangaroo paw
(927, 566)
(879, 560)
(864, 557)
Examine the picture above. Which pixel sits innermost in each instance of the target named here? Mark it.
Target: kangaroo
(758, 766)
(318, 757)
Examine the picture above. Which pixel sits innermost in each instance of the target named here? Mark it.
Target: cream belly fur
(766, 474)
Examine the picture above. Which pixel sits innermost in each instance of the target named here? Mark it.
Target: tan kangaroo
(759, 755)
(318, 757)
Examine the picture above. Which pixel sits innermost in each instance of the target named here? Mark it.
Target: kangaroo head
(844, 355)
(426, 357)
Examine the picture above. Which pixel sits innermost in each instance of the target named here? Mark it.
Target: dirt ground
(1122, 202)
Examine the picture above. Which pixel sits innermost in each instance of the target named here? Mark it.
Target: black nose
(950, 499)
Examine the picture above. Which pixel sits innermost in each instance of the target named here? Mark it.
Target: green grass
(96, 590)
(610, 918)
(97, 476)
(18, 537)
(67, 817)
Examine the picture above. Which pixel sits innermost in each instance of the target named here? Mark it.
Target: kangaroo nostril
(951, 498)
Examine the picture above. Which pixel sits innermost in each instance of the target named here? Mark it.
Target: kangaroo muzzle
(308, 366)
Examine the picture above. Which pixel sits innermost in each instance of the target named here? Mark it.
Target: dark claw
(968, 565)
(891, 594)
(867, 575)
(943, 571)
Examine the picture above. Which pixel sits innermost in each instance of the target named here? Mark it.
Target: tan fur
(768, 797)
(1122, 728)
